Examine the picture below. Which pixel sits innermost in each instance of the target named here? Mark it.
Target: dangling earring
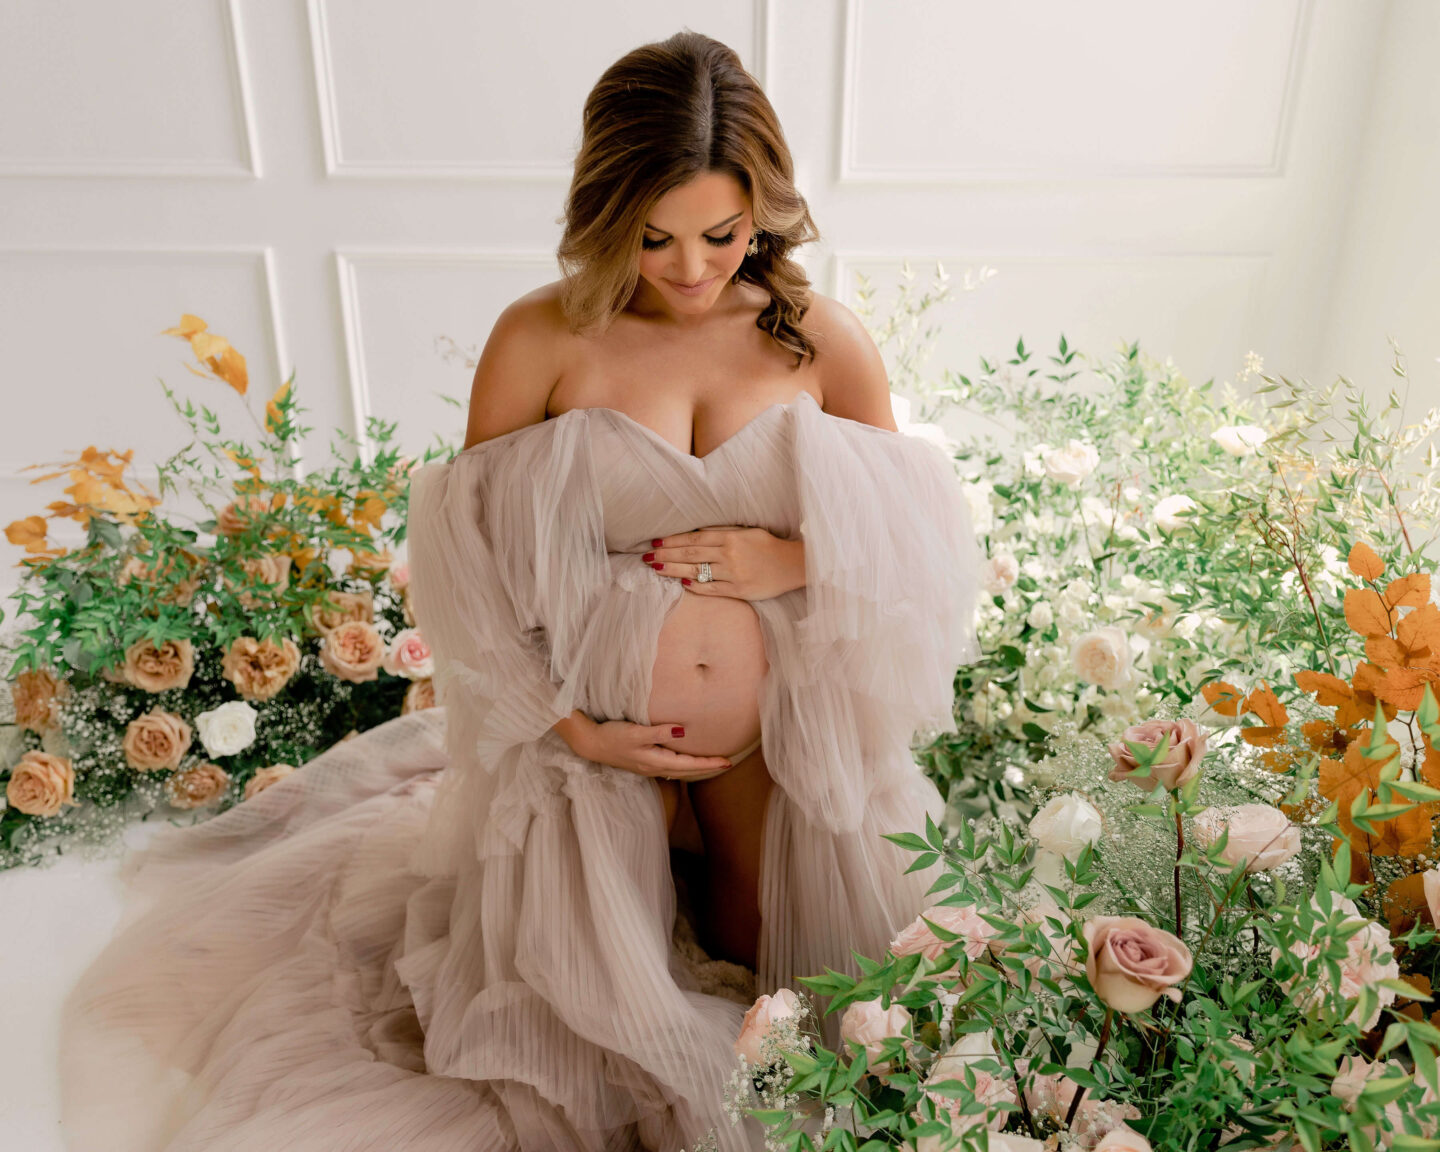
(754, 246)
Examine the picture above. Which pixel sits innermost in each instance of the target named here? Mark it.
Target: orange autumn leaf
(1366, 613)
(1419, 633)
(1430, 766)
(273, 416)
(1262, 702)
(1407, 833)
(214, 351)
(1222, 697)
(1330, 691)
(1403, 903)
(369, 509)
(1385, 650)
(29, 533)
(1402, 687)
(1410, 591)
(1364, 563)
(1324, 736)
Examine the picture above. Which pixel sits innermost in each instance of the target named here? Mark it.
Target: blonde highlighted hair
(657, 118)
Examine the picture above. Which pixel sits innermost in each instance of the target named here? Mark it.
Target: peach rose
(237, 516)
(1261, 837)
(1123, 1139)
(1181, 763)
(37, 695)
(419, 696)
(369, 565)
(400, 575)
(408, 655)
(353, 652)
(337, 608)
(271, 569)
(197, 787)
(41, 784)
(407, 609)
(1132, 964)
(156, 741)
(266, 777)
(259, 669)
(760, 1022)
(160, 669)
(183, 592)
(865, 1022)
(974, 932)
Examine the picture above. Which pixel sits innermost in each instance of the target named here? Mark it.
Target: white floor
(53, 921)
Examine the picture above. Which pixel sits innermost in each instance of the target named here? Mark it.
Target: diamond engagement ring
(704, 576)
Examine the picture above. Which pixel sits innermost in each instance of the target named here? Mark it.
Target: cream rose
(760, 1021)
(1066, 824)
(36, 694)
(1261, 837)
(237, 516)
(1071, 464)
(1001, 573)
(353, 652)
(1102, 657)
(160, 669)
(1131, 964)
(227, 729)
(964, 920)
(266, 777)
(260, 669)
(865, 1022)
(41, 784)
(1123, 1139)
(1181, 763)
(197, 787)
(408, 655)
(337, 608)
(156, 741)
(1170, 512)
(419, 696)
(1239, 439)
(1041, 615)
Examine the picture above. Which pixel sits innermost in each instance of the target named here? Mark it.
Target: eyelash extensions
(720, 242)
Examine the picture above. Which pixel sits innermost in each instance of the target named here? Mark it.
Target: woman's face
(695, 234)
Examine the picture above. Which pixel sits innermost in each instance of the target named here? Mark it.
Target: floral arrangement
(1146, 535)
(186, 667)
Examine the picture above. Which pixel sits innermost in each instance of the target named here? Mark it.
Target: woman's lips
(692, 291)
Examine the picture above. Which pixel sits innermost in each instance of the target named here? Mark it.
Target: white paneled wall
(352, 189)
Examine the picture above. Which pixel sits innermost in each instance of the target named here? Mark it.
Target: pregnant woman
(686, 585)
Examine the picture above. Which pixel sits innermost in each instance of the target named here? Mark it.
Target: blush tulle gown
(451, 932)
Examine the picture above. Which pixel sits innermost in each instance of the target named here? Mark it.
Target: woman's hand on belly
(635, 748)
(745, 563)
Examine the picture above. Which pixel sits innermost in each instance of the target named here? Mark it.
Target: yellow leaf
(1364, 563)
(189, 325)
(1222, 697)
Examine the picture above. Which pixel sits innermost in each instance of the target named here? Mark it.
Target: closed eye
(717, 241)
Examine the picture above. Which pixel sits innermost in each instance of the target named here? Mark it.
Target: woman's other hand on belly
(636, 748)
(745, 563)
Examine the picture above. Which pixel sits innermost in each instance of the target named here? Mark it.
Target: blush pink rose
(964, 920)
(760, 1022)
(1181, 763)
(408, 655)
(1131, 963)
(1261, 836)
(865, 1022)
(400, 575)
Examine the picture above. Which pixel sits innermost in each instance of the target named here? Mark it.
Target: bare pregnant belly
(709, 665)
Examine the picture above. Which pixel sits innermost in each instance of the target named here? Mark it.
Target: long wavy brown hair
(657, 118)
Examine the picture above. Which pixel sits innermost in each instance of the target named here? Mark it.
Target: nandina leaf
(1410, 591)
(1366, 613)
(1224, 698)
(1364, 563)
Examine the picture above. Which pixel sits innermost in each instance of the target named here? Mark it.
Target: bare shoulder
(518, 366)
(851, 370)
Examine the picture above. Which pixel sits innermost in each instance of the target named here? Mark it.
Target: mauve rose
(266, 777)
(759, 1020)
(408, 655)
(964, 920)
(41, 784)
(1131, 964)
(260, 669)
(1260, 836)
(1181, 763)
(36, 694)
(197, 787)
(1102, 657)
(156, 741)
(865, 1022)
(353, 652)
(419, 696)
(160, 669)
(236, 516)
(337, 608)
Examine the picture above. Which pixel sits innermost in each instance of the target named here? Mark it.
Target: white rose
(1260, 835)
(1002, 573)
(1035, 460)
(1071, 464)
(1066, 824)
(982, 512)
(1168, 512)
(1041, 615)
(1239, 439)
(228, 729)
(1102, 657)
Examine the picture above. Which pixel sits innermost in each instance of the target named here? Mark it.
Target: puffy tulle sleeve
(892, 567)
(504, 540)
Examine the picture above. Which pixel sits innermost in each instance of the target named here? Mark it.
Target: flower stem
(1179, 852)
(1099, 1052)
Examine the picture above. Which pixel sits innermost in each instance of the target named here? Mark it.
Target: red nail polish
(657, 543)
(648, 557)
(684, 579)
(656, 565)
(677, 731)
